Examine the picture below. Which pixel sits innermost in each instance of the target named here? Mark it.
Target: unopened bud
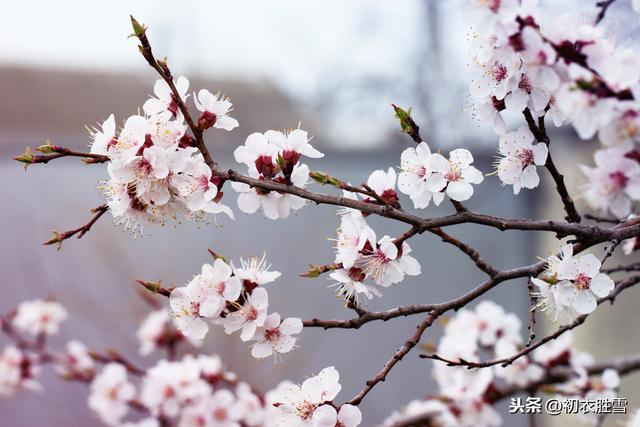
(206, 120)
(56, 239)
(406, 122)
(138, 29)
(47, 148)
(26, 157)
(151, 286)
(313, 272)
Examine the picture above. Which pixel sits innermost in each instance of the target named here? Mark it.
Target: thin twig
(59, 237)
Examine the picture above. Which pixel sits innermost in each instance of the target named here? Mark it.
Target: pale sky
(303, 47)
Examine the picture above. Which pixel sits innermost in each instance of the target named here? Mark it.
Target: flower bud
(47, 148)
(206, 120)
(27, 157)
(138, 29)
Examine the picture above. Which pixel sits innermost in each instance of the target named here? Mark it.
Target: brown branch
(59, 237)
(397, 357)
(472, 253)
(28, 158)
(603, 6)
(163, 70)
(593, 233)
(540, 133)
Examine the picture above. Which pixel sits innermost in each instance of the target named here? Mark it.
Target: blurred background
(333, 66)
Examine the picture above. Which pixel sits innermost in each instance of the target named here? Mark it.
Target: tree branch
(59, 237)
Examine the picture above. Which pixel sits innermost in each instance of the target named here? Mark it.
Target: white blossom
(110, 394)
(296, 404)
(215, 110)
(521, 156)
(275, 336)
(422, 174)
(39, 317)
(165, 103)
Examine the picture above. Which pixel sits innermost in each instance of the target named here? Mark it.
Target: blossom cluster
(274, 156)
(361, 256)
(154, 171)
(571, 286)
(235, 298)
(193, 391)
(466, 396)
(569, 71)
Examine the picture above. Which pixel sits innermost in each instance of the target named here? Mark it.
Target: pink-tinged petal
(272, 321)
(461, 156)
(620, 206)
(271, 206)
(297, 139)
(291, 326)
(438, 198)
(182, 84)
(540, 153)
(601, 285)
(516, 100)
(377, 181)
(330, 380)
(259, 297)
(349, 415)
(410, 265)
(325, 416)
(539, 99)
(566, 269)
(459, 191)
(162, 90)
(436, 182)
(285, 344)
(248, 202)
(392, 274)
(584, 302)
(276, 138)
(472, 175)
(409, 158)
(509, 170)
(300, 175)
(388, 248)
(195, 328)
(408, 182)
(564, 292)
(610, 379)
(530, 178)
(232, 288)
(226, 123)
(248, 331)
(261, 349)
(206, 99)
(423, 151)
(588, 264)
(438, 163)
(211, 306)
(154, 106)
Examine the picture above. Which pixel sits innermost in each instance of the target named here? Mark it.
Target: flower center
(498, 72)
(272, 335)
(582, 282)
(618, 179)
(305, 409)
(525, 84)
(525, 156)
(220, 414)
(454, 173)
